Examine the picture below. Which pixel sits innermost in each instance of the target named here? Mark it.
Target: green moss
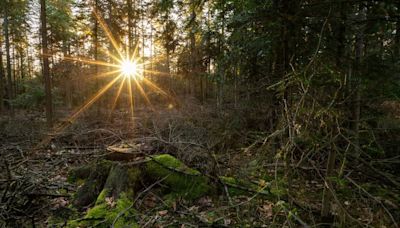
(106, 211)
(171, 162)
(101, 198)
(239, 187)
(73, 224)
(182, 180)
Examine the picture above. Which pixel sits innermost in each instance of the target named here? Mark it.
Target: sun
(130, 69)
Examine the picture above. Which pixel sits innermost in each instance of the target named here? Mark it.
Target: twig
(374, 198)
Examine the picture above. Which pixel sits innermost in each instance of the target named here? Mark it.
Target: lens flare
(129, 68)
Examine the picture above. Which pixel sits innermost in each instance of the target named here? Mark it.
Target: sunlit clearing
(131, 69)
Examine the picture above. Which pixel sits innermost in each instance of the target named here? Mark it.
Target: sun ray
(141, 90)
(100, 75)
(107, 31)
(156, 88)
(157, 59)
(89, 61)
(115, 58)
(93, 99)
(131, 98)
(75, 115)
(127, 51)
(160, 73)
(117, 96)
(135, 51)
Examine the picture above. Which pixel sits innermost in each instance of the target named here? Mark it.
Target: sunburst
(128, 70)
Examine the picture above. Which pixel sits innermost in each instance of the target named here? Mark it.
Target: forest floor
(35, 164)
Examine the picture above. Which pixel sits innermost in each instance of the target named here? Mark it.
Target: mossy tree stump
(110, 188)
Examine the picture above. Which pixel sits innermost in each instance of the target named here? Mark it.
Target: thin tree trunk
(359, 49)
(130, 41)
(397, 38)
(330, 166)
(14, 71)
(46, 71)
(8, 62)
(2, 80)
(21, 65)
(151, 53)
(96, 44)
(193, 47)
(169, 71)
(28, 63)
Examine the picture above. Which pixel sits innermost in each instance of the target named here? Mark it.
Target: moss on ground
(182, 180)
(108, 211)
(238, 187)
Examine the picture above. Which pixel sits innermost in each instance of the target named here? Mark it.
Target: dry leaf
(60, 202)
(266, 210)
(110, 201)
(163, 213)
(150, 202)
(227, 222)
(205, 201)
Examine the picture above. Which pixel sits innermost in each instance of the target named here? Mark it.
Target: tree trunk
(14, 71)
(397, 38)
(168, 70)
(359, 49)
(2, 80)
(46, 72)
(8, 60)
(193, 47)
(130, 41)
(95, 53)
(330, 166)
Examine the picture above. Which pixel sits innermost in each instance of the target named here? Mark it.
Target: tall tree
(8, 59)
(45, 70)
(130, 26)
(2, 78)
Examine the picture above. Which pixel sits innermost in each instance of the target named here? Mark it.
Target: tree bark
(397, 38)
(330, 166)
(2, 79)
(95, 53)
(130, 41)
(8, 62)
(359, 53)
(46, 71)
